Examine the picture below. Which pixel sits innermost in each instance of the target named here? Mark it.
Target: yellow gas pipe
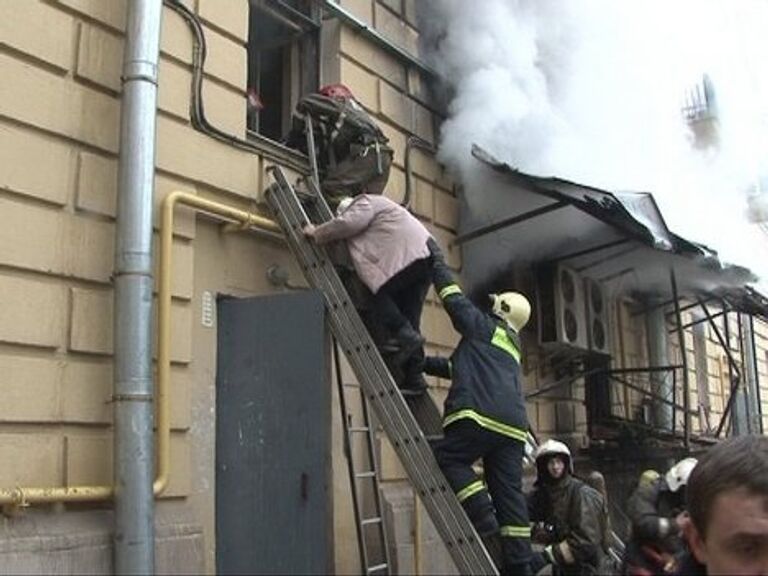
(19, 497)
(248, 220)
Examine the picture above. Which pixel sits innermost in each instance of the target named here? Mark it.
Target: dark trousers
(464, 443)
(398, 304)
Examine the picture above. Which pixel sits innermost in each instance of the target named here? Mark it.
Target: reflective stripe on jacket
(486, 385)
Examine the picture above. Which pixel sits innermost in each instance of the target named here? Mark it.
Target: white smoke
(591, 91)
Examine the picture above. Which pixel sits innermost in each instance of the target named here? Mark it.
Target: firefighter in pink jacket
(390, 251)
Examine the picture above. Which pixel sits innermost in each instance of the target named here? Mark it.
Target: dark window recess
(282, 61)
(597, 388)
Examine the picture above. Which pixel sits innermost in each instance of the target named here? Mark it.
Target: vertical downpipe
(683, 361)
(753, 399)
(658, 354)
(133, 410)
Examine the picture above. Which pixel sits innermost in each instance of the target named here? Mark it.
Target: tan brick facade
(61, 61)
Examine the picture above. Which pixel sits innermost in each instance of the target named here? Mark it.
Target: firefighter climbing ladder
(409, 442)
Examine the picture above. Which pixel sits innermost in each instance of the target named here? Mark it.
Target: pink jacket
(382, 236)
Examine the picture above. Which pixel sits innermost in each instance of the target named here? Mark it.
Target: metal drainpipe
(750, 371)
(132, 399)
(658, 355)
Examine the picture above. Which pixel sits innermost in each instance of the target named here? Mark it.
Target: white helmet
(678, 475)
(552, 448)
(343, 204)
(513, 308)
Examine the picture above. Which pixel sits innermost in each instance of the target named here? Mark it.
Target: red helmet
(336, 91)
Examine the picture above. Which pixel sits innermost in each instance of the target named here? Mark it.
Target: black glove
(435, 251)
(441, 274)
(543, 533)
(437, 366)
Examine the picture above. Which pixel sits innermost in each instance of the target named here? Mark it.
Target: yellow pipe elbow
(20, 497)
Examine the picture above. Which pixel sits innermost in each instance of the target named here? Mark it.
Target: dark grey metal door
(273, 507)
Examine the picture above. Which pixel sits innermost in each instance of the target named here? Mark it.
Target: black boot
(409, 341)
(414, 385)
(517, 570)
(537, 563)
(492, 543)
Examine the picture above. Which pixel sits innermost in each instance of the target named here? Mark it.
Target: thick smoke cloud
(591, 90)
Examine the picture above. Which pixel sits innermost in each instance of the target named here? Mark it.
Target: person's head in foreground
(728, 506)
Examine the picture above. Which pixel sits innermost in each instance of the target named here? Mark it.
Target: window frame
(293, 47)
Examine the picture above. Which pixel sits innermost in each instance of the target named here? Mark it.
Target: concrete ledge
(41, 542)
(398, 505)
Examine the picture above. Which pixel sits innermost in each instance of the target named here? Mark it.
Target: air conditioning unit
(560, 307)
(598, 328)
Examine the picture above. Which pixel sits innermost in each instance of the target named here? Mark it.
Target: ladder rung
(377, 568)
(305, 196)
(352, 385)
(369, 474)
(359, 429)
(369, 521)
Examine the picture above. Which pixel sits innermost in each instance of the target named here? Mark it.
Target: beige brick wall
(629, 351)
(59, 134)
(37, 459)
(55, 184)
(59, 126)
(40, 31)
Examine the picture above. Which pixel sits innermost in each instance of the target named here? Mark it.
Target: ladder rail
(324, 213)
(401, 444)
(362, 548)
(367, 343)
(377, 496)
(406, 433)
(408, 441)
(401, 441)
(360, 522)
(311, 149)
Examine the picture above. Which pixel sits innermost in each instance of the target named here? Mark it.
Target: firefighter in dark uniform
(656, 511)
(351, 150)
(570, 517)
(484, 417)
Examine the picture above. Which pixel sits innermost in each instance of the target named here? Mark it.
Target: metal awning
(619, 239)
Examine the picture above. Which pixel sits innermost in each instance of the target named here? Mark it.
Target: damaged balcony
(617, 296)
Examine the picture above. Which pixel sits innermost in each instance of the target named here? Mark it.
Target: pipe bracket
(139, 70)
(132, 398)
(19, 502)
(138, 78)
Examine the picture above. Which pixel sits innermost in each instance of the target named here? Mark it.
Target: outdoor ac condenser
(597, 317)
(560, 307)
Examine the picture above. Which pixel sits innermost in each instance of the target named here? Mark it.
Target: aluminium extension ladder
(381, 392)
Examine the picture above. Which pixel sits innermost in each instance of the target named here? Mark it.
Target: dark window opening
(282, 61)
(597, 388)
